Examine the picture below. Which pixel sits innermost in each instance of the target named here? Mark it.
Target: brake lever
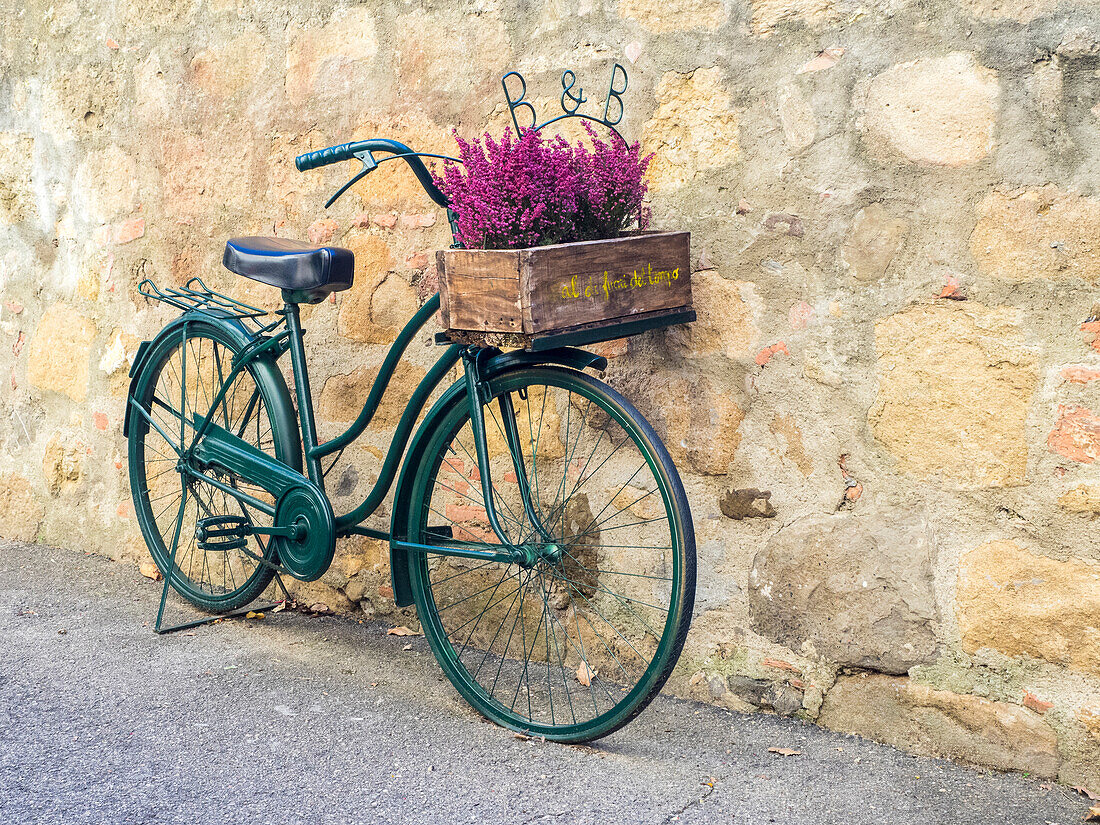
(369, 165)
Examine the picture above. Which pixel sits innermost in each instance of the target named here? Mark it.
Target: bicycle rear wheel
(181, 378)
(575, 645)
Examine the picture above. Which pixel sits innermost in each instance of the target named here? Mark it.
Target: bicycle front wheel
(576, 644)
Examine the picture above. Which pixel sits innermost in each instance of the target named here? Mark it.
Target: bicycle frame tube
(314, 451)
(212, 444)
(381, 381)
(401, 437)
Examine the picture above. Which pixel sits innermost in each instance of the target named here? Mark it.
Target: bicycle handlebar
(364, 150)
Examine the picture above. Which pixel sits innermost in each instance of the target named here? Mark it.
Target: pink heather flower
(528, 191)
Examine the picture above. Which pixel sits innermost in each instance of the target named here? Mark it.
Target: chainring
(307, 557)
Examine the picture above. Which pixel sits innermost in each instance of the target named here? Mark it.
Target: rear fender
(263, 365)
(576, 359)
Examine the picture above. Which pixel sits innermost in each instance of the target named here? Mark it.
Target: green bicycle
(538, 523)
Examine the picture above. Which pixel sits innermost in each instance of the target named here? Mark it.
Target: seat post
(301, 389)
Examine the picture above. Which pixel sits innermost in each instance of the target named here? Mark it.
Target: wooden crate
(572, 293)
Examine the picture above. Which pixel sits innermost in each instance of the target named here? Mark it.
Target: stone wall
(895, 207)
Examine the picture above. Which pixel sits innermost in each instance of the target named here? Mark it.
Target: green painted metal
(392, 463)
(618, 329)
(308, 553)
(430, 455)
(456, 550)
(191, 474)
(495, 365)
(363, 151)
(570, 101)
(305, 397)
(157, 355)
(372, 532)
(381, 381)
(195, 296)
(476, 399)
(220, 447)
(300, 539)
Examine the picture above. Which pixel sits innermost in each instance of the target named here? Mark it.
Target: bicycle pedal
(222, 533)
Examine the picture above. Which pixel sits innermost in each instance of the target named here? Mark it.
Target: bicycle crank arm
(294, 531)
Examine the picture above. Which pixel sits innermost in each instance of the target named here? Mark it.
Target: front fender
(577, 359)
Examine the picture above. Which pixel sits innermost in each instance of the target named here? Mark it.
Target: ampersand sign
(570, 102)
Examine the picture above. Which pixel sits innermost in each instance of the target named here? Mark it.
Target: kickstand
(160, 631)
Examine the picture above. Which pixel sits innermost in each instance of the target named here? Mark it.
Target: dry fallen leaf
(279, 607)
(785, 751)
(585, 674)
(401, 630)
(319, 607)
(149, 570)
(252, 614)
(522, 736)
(1093, 815)
(407, 647)
(1087, 792)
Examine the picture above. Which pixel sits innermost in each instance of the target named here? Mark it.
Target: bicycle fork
(478, 395)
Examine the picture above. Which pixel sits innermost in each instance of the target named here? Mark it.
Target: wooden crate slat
(581, 283)
(544, 290)
(483, 289)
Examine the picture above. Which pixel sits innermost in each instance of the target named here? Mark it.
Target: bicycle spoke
(576, 631)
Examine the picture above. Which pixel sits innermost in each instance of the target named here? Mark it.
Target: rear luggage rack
(195, 295)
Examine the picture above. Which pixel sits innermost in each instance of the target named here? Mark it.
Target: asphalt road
(323, 720)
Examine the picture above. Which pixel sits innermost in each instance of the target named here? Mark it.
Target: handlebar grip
(347, 151)
(324, 157)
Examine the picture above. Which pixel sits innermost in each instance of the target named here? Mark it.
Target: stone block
(1084, 498)
(326, 60)
(796, 116)
(769, 14)
(725, 322)
(1038, 234)
(875, 239)
(1021, 11)
(693, 129)
(59, 350)
(456, 72)
(224, 69)
(16, 196)
(21, 513)
(932, 722)
(659, 16)
(785, 428)
(954, 386)
(747, 503)
(63, 462)
(934, 111)
(343, 395)
(376, 309)
(855, 588)
(198, 178)
(702, 434)
(1023, 604)
(1076, 434)
(106, 184)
